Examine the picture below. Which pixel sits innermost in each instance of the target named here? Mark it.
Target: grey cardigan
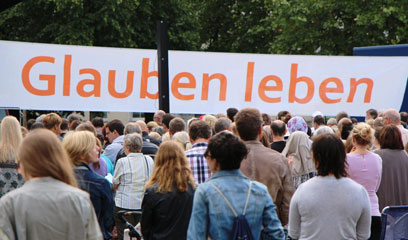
(394, 179)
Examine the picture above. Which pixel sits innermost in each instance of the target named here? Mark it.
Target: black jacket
(153, 140)
(166, 215)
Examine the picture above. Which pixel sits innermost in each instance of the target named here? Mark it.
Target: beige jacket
(272, 169)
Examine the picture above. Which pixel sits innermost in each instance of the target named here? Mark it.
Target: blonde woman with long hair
(83, 150)
(168, 199)
(49, 205)
(11, 138)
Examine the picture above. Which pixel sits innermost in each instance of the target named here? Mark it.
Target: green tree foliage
(328, 27)
(111, 23)
(332, 27)
(234, 26)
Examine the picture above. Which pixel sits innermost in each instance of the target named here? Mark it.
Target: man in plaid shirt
(200, 133)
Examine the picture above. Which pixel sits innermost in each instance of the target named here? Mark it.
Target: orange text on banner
(25, 77)
(186, 80)
(294, 80)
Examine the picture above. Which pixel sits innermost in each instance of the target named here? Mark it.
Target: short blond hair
(363, 133)
(154, 135)
(182, 138)
(51, 119)
(151, 125)
(210, 120)
(78, 145)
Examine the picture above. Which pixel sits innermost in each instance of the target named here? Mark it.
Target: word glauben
(186, 80)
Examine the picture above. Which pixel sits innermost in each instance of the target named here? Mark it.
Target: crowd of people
(213, 176)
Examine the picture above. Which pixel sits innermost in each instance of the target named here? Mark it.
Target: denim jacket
(213, 217)
(101, 196)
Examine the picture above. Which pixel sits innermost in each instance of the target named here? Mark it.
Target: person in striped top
(130, 177)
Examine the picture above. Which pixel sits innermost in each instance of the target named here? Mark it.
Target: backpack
(240, 229)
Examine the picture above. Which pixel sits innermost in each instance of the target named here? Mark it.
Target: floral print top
(10, 179)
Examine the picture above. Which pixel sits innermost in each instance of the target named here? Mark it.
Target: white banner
(60, 77)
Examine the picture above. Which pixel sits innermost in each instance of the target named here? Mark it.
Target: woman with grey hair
(322, 130)
(131, 175)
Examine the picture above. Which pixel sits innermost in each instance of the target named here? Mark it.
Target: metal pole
(163, 68)
(25, 118)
